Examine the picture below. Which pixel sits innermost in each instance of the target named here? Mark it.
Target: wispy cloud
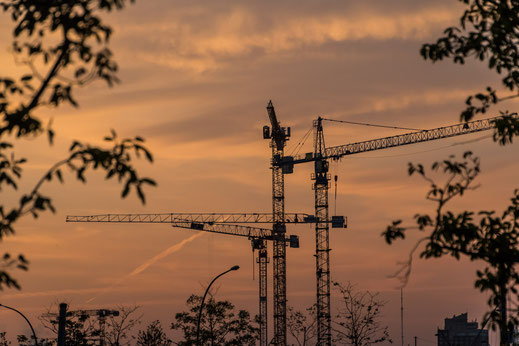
(240, 32)
(100, 291)
(148, 263)
(50, 293)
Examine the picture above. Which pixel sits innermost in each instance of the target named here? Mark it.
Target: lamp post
(30, 325)
(202, 303)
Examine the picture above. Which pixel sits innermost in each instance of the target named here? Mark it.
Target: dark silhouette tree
(220, 325)
(358, 322)
(154, 335)
(302, 325)
(483, 236)
(118, 328)
(488, 31)
(63, 45)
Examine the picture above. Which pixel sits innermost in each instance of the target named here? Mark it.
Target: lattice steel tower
(321, 180)
(278, 139)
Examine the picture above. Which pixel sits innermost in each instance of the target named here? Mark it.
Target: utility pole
(402, 314)
(62, 322)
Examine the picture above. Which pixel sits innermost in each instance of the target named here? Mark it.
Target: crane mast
(278, 140)
(321, 180)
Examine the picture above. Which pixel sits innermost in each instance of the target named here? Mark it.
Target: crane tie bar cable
(301, 142)
(374, 125)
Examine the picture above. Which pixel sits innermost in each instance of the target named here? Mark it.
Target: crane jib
(206, 218)
(337, 152)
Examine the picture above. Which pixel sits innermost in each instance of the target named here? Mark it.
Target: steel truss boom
(194, 217)
(236, 230)
(320, 157)
(258, 237)
(339, 151)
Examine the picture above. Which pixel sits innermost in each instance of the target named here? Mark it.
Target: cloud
(239, 32)
(402, 100)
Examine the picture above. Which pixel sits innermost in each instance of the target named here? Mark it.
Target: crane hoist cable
(373, 125)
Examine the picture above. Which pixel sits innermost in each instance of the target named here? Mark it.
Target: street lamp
(30, 325)
(203, 299)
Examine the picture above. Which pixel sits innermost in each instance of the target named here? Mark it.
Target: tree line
(357, 322)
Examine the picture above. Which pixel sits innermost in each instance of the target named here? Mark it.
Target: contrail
(148, 263)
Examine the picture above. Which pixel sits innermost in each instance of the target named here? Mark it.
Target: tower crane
(226, 223)
(320, 157)
(258, 237)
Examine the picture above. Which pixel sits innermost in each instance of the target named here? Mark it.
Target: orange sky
(196, 78)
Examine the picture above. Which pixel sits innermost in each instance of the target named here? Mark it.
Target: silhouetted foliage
(479, 236)
(3, 340)
(153, 336)
(81, 330)
(488, 31)
(85, 328)
(358, 320)
(23, 340)
(118, 328)
(302, 325)
(63, 44)
(219, 325)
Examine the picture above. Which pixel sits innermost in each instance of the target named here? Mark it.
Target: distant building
(460, 332)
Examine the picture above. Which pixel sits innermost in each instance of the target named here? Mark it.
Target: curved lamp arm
(203, 299)
(30, 325)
